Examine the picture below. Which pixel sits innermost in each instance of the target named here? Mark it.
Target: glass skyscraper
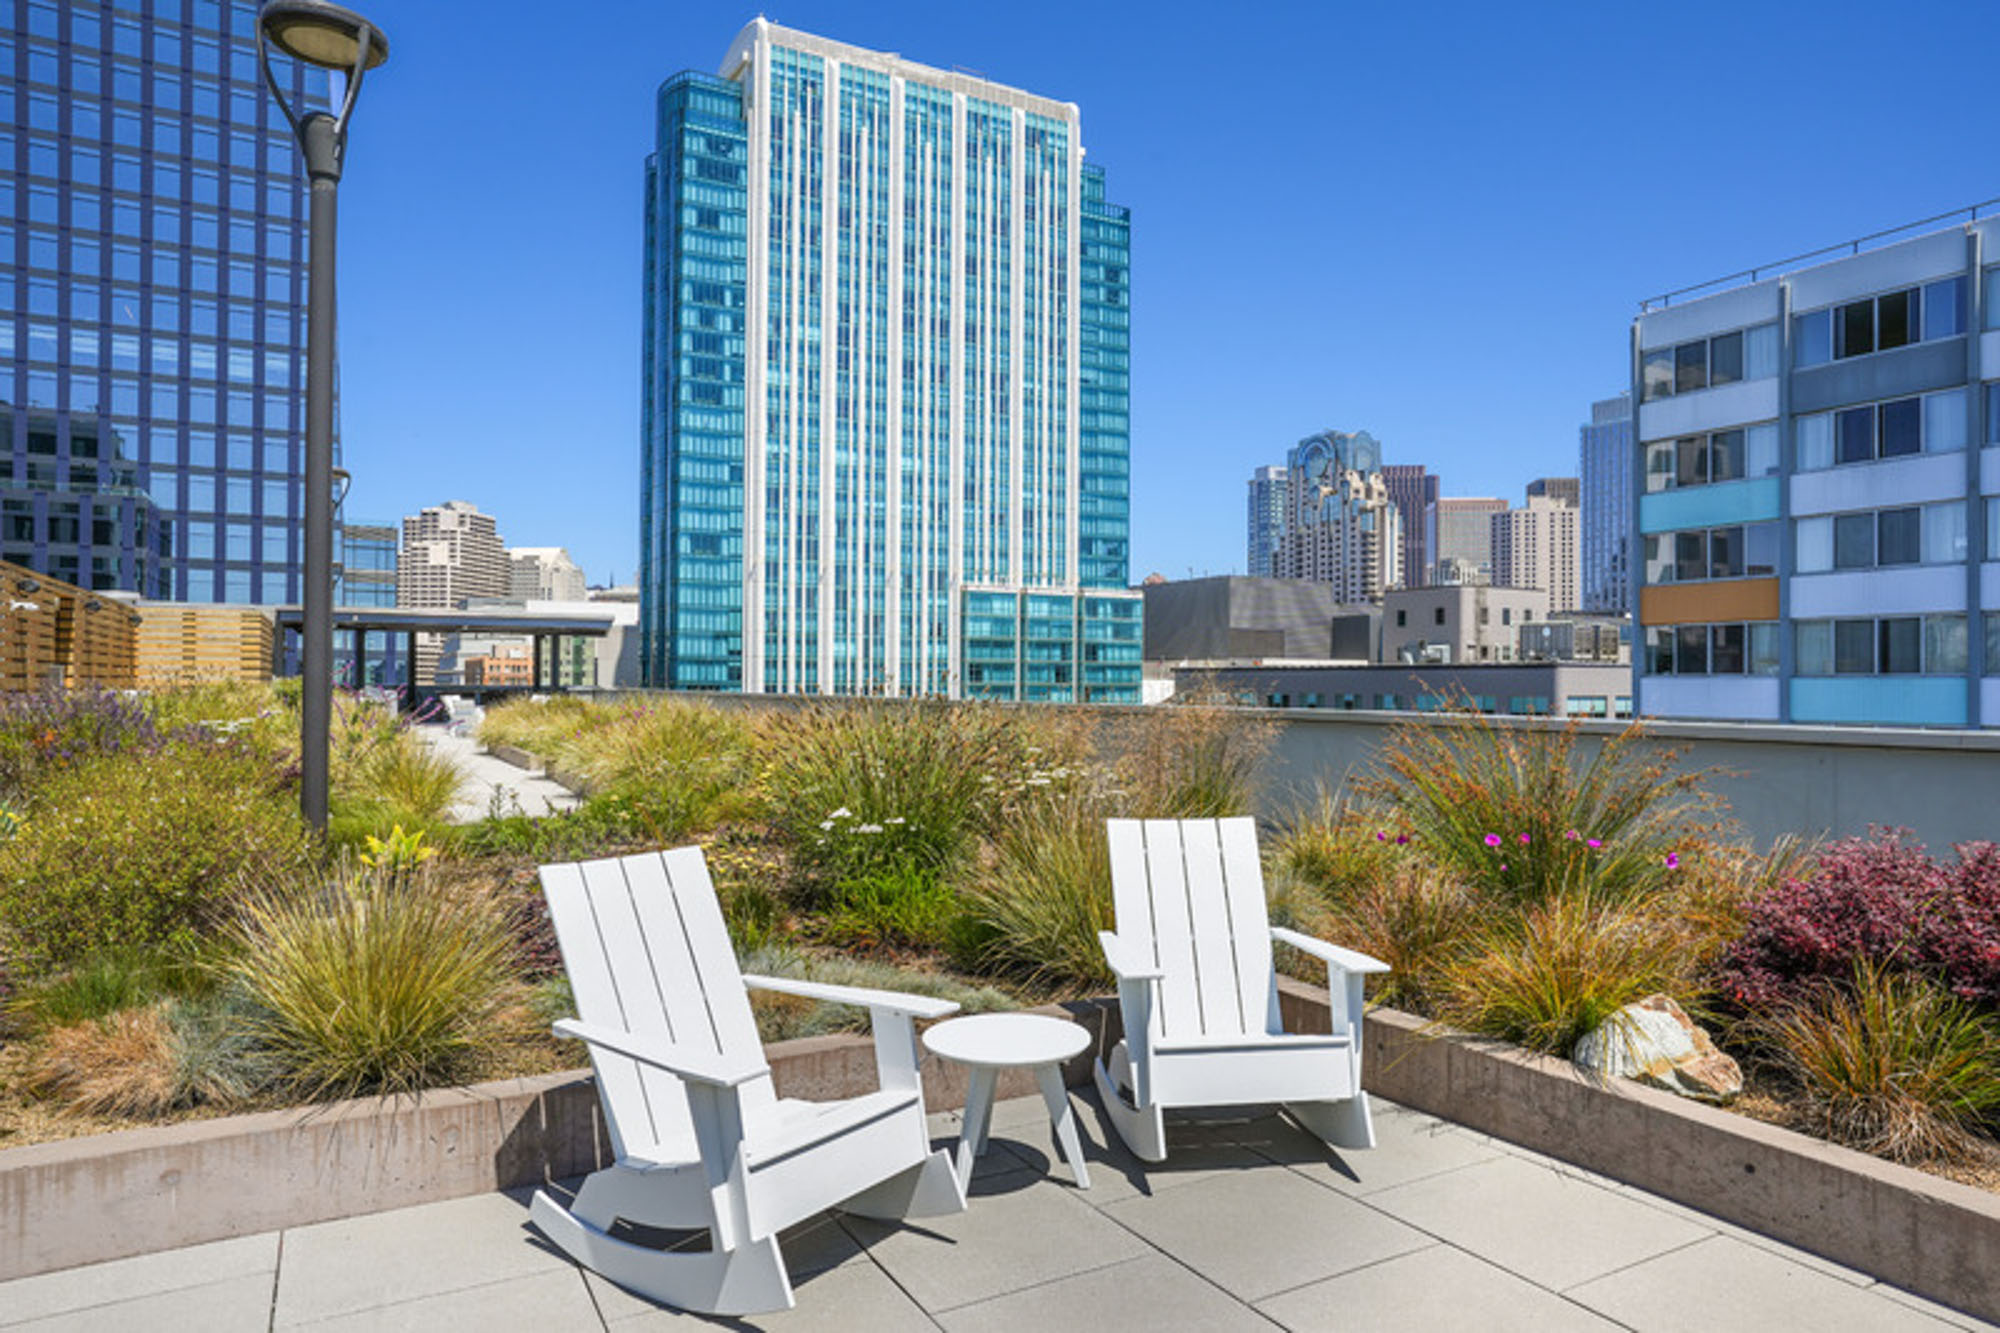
(1605, 457)
(152, 301)
(886, 429)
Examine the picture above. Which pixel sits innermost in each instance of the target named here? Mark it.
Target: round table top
(1005, 1041)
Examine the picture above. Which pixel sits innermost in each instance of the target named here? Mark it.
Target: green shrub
(251, 712)
(557, 727)
(1412, 918)
(1338, 849)
(373, 984)
(857, 791)
(96, 988)
(748, 875)
(136, 850)
(783, 1017)
(890, 905)
(666, 768)
(387, 776)
(1189, 761)
(1547, 973)
(1514, 811)
(1045, 892)
(1891, 1063)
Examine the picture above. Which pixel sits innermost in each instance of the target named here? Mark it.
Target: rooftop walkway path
(1249, 1225)
(492, 784)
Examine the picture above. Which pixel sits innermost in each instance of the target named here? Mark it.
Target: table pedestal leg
(978, 1113)
(1064, 1120)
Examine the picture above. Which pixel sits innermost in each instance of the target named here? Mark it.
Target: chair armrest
(719, 1070)
(917, 1006)
(1126, 961)
(1347, 960)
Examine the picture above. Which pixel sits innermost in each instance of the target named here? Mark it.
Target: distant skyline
(1431, 224)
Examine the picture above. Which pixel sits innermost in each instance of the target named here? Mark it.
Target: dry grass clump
(1891, 1063)
(121, 1064)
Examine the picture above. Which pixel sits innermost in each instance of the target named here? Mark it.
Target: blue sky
(1430, 221)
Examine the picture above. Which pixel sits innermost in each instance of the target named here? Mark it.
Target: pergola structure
(538, 626)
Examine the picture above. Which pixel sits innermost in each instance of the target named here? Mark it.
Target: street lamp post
(331, 38)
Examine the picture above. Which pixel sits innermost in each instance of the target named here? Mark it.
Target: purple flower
(1594, 843)
(1402, 838)
(1673, 860)
(1492, 840)
(1503, 869)
(1524, 840)
(1381, 837)
(1571, 834)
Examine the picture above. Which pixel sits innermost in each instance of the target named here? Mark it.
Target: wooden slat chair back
(1190, 894)
(647, 952)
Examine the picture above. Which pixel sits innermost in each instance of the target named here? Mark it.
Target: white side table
(989, 1043)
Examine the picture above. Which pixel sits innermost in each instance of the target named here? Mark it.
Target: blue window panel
(1911, 701)
(1709, 506)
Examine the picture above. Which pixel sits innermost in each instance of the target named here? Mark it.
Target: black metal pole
(319, 136)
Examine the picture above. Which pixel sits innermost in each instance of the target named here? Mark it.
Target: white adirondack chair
(1199, 994)
(701, 1140)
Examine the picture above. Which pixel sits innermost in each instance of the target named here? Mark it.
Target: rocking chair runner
(702, 1142)
(1199, 993)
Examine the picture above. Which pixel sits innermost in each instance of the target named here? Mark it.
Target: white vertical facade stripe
(1020, 430)
(892, 600)
(955, 508)
(830, 257)
(755, 406)
(1073, 363)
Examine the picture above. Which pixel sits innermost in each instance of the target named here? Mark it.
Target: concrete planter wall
(113, 1195)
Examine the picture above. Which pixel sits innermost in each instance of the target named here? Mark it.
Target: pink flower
(1593, 843)
(1381, 837)
(1524, 840)
(1503, 869)
(1492, 840)
(1673, 860)
(1571, 834)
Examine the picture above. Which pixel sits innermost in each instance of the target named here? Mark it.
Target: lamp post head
(322, 34)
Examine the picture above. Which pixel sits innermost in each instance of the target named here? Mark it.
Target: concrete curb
(110, 1196)
(113, 1195)
(575, 783)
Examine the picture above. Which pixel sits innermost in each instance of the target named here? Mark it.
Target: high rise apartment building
(1458, 539)
(152, 301)
(1818, 498)
(451, 552)
(1535, 546)
(544, 574)
(1265, 523)
(886, 429)
(1413, 491)
(1340, 526)
(1605, 457)
(1568, 490)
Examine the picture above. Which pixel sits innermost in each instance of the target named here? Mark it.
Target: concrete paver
(1756, 1287)
(491, 783)
(1249, 1224)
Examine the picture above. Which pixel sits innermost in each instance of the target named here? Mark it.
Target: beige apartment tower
(450, 552)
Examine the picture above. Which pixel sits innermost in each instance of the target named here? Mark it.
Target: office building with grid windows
(885, 404)
(1264, 527)
(1818, 491)
(1605, 458)
(152, 301)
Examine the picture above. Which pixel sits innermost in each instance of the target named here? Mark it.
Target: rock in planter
(1654, 1041)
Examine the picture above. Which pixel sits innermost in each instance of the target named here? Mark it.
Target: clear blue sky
(1429, 221)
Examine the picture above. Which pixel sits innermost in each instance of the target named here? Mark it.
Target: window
(1748, 550)
(1402, 619)
(1892, 645)
(1993, 530)
(1881, 323)
(1897, 540)
(1438, 614)
(1933, 423)
(1702, 650)
(1992, 637)
(1708, 362)
(1727, 455)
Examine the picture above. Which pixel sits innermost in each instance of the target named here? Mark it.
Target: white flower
(895, 819)
(869, 828)
(1038, 782)
(826, 824)
(842, 813)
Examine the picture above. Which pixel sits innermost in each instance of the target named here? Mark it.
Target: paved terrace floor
(1249, 1225)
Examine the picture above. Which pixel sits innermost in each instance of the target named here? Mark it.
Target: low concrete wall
(109, 1196)
(1778, 780)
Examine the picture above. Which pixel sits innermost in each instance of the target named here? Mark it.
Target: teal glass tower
(885, 409)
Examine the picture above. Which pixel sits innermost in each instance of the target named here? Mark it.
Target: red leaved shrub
(1880, 899)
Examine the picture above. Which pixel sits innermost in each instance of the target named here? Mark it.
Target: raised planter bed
(113, 1195)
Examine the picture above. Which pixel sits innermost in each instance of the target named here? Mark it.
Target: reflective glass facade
(152, 301)
(886, 350)
(1605, 458)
